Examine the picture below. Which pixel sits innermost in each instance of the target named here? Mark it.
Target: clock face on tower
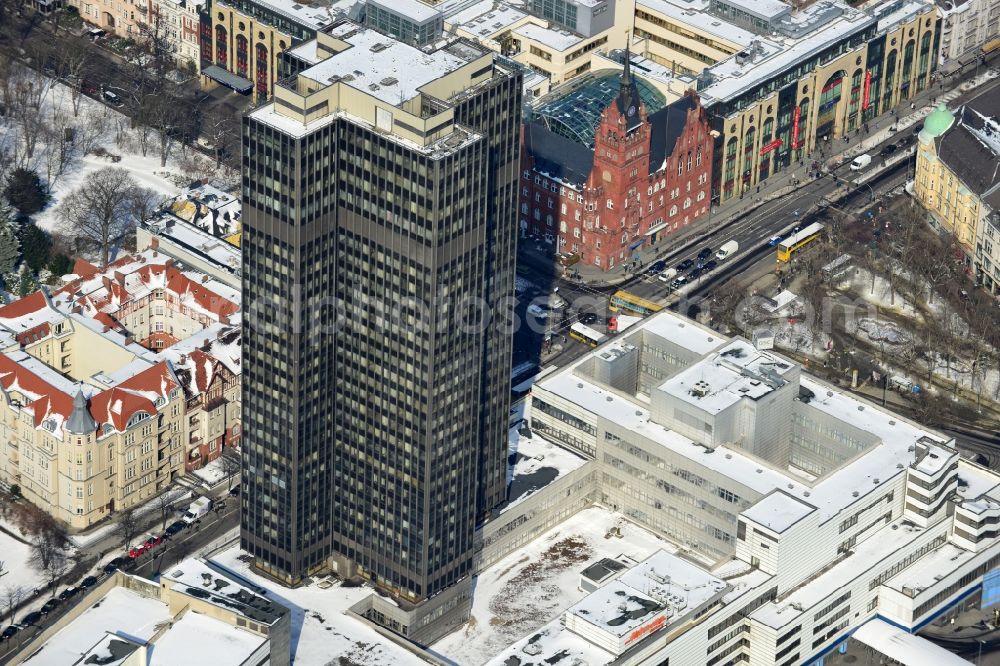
(631, 110)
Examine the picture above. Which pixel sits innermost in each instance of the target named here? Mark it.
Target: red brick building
(645, 178)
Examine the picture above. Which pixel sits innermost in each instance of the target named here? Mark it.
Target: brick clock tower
(647, 176)
(614, 191)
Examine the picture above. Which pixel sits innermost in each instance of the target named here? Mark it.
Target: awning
(636, 244)
(904, 647)
(228, 79)
(656, 227)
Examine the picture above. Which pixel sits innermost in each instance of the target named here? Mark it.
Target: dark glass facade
(375, 396)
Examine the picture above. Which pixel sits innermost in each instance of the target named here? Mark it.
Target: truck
(728, 248)
(198, 508)
(860, 162)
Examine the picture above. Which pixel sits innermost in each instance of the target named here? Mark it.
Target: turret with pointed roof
(80, 421)
(628, 94)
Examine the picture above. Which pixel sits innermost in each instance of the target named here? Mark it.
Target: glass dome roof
(575, 109)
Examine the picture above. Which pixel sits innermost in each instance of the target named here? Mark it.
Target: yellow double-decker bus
(624, 301)
(798, 240)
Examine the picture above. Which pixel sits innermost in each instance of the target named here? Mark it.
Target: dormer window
(137, 418)
(49, 424)
(108, 428)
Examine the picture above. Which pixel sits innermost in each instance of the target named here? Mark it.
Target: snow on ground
(213, 473)
(881, 295)
(114, 135)
(85, 539)
(16, 558)
(533, 585)
(321, 633)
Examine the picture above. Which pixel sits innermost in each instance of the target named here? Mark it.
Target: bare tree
(11, 597)
(71, 62)
(48, 559)
(165, 504)
(104, 209)
(92, 130)
(127, 526)
(231, 466)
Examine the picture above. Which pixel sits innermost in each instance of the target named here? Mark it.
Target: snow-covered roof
(695, 14)
(554, 38)
(199, 639)
(385, 68)
(735, 372)
(120, 611)
(210, 584)
(738, 74)
(864, 557)
(484, 17)
(412, 9)
(537, 463)
(933, 566)
(778, 511)
(309, 15)
(903, 647)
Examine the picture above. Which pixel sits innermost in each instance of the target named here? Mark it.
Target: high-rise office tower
(380, 197)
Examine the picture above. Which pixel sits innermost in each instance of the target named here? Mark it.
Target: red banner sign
(646, 630)
(795, 126)
(768, 147)
(866, 95)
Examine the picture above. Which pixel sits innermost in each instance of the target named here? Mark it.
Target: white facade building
(799, 512)
(966, 25)
(176, 22)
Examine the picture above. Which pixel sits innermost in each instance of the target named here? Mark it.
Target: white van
(668, 275)
(860, 162)
(728, 248)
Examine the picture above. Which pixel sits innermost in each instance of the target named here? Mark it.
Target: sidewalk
(779, 186)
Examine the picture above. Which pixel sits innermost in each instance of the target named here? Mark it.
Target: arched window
(137, 418)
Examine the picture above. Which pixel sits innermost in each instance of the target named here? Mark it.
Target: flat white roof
(558, 39)
(767, 8)
(664, 574)
(679, 330)
(200, 639)
(412, 9)
(904, 647)
(486, 18)
(866, 556)
(695, 14)
(313, 16)
(926, 571)
(618, 608)
(732, 79)
(120, 611)
(778, 511)
(537, 463)
(735, 372)
(383, 67)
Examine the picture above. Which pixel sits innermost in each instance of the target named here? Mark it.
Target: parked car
(88, 582)
(679, 282)
(31, 618)
(69, 593)
(176, 527)
(684, 265)
(234, 491)
(153, 542)
(774, 240)
(136, 551)
(112, 98)
(705, 253)
(9, 632)
(695, 273)
(656, 267)
(538, 311)
(889, 149)
(709, 265)
(50, 606)
(114, 565)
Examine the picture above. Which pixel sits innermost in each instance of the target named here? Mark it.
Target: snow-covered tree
(10, 247)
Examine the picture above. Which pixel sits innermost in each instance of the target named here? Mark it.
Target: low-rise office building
(799, 512)
(198, 613)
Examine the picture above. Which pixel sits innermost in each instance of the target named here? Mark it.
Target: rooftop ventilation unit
(701, 389)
